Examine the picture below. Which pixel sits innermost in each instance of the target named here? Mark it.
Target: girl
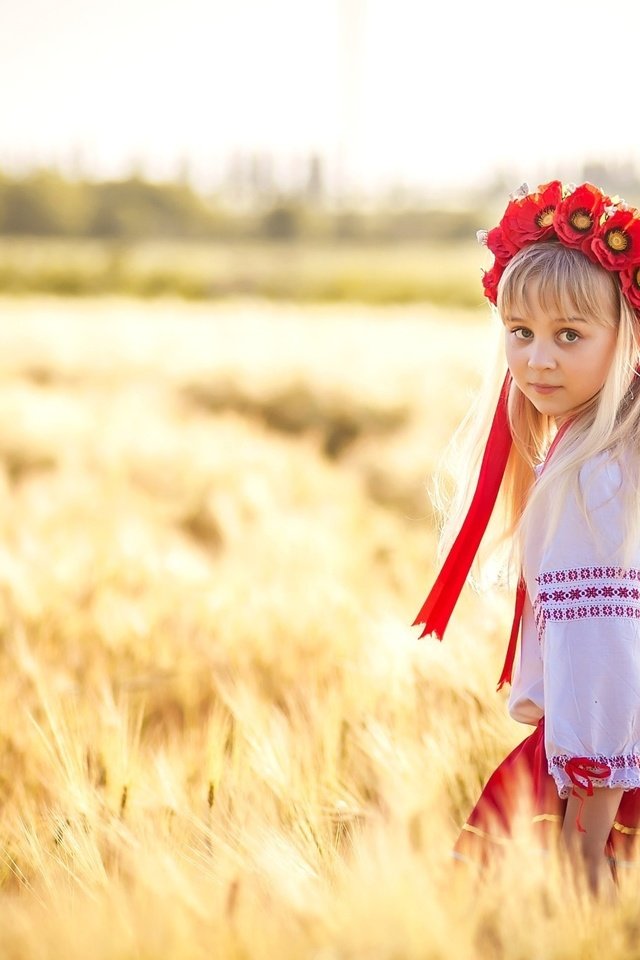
(562, 459)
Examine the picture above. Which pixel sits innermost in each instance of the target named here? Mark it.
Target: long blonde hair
(568, 283)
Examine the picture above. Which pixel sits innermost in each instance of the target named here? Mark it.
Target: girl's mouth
(543, 388)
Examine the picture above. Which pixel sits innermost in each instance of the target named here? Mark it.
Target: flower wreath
(605, 229)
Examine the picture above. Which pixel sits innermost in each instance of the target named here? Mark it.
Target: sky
(433, 93)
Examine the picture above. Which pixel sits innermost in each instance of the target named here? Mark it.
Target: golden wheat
(221, 736)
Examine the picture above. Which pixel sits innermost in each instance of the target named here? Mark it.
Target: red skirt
(522, 790)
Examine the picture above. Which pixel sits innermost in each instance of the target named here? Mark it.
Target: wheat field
(221, 736)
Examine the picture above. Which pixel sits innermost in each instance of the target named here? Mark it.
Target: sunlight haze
(405, 92)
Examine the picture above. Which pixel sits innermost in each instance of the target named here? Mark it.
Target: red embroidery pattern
(581, 593)
(587, 573)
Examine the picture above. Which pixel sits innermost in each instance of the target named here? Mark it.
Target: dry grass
(302, 271)
(221, 737)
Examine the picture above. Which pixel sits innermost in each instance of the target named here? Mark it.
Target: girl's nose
(541, 358)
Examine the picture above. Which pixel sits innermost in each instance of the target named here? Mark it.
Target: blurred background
(240, 317)
(313, 151)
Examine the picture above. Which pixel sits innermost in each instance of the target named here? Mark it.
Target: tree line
(46, 203)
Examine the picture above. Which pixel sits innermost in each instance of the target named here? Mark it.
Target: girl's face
(571, 354)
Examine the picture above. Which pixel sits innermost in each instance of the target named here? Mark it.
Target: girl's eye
(521, 330)
(572, 333)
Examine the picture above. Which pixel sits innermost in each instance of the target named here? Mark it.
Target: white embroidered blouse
(579, 655)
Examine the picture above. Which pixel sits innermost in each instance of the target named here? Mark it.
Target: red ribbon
(438, 607)
(586, 767)
(507, 668)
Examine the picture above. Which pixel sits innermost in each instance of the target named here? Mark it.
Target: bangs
(562, 281)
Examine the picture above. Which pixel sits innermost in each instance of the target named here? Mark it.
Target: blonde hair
(567, 283)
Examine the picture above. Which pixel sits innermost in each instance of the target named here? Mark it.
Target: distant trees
(251, 203)
(45, 203)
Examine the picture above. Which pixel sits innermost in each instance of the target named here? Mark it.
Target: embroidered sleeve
(587, 618)
(588, 621)
(581, 593)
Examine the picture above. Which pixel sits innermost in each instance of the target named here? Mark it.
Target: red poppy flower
(578, 215)
(531, 218)
(490, 281)
(500, 247)
(616, 242)
(630, 282)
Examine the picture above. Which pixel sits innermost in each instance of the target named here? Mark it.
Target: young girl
(562, 459)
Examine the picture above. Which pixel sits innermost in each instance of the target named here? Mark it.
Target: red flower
(500, 247)
(616, 242)
(577, 217)
(531, 218)
(490, 281)
(630, 282)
